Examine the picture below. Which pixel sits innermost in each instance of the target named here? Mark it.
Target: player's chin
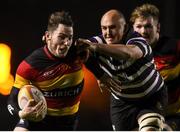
(61, 55)
(110, 41)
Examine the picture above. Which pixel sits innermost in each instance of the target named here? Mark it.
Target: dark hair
(59, 17)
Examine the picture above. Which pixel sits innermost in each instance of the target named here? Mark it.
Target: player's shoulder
(36, 54)
(97, 39)
(134, 37)
(31, 60)
(37, 57)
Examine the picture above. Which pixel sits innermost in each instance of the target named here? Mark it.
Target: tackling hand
(107, 82)
(83, 44)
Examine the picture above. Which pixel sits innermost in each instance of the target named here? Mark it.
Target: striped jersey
(60, 80)
(139, 78)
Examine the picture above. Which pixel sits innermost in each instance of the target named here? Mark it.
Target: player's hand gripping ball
(28, 92)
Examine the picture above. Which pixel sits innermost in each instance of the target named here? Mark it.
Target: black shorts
(124, 114)
(51, 123)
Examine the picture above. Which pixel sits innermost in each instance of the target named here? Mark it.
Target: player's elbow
(135, 53)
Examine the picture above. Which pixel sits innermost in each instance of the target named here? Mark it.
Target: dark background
(23, 22)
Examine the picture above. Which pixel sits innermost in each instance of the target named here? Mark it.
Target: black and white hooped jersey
(139, 78)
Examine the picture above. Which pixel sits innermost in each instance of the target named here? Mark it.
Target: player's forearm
(118, 51)
(12, 104)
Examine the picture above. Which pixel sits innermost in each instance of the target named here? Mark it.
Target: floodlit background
(23, 22)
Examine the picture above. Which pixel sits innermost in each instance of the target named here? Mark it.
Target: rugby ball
(28, 92)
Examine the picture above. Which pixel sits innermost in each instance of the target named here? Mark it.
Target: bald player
(126, 68)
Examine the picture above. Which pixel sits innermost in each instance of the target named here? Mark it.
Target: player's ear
(47, 36)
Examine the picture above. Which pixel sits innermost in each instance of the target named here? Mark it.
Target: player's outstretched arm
(119, 51)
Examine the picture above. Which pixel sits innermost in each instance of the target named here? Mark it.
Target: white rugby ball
(28, 92)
